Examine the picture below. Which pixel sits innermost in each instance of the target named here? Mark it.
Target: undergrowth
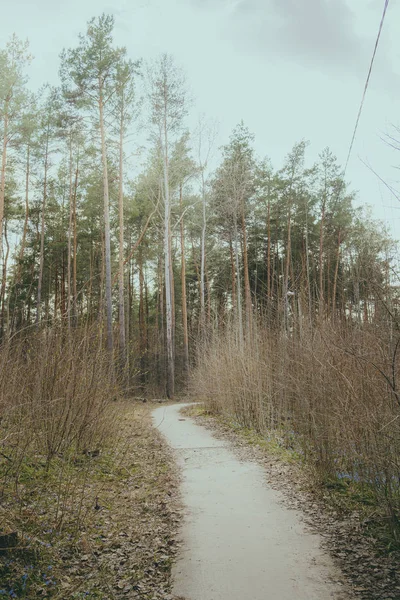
(110, 534)
(56, 424)
(327, 399)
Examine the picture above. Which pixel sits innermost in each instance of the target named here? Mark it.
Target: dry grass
(330, 394)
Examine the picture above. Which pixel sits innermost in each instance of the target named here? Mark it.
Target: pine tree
(90, 74)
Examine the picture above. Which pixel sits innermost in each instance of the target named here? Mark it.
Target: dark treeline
(163, 259)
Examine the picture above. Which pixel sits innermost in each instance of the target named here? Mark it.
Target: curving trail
(239, 541)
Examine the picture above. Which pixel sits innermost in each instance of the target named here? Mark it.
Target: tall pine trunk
(26, 219)
(168, 270)
(238, 286)
(3, 170)
(142, 323)
(269, 251)
(70, 224)
(75, 239)
(287, 269)
(121, 291)
(203, 258)
(233, 275)
(107, 238)
(184, 300)
(335, 278)
(247, 292)
(41, 258)
(4, 281)
(321, 260)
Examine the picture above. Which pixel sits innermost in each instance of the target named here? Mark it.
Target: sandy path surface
(239, 542)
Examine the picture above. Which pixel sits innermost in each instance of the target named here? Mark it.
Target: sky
(290, 69)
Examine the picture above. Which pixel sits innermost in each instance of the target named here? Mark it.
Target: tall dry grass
(331, 393)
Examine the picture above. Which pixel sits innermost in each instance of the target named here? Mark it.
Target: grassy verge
(93, 524)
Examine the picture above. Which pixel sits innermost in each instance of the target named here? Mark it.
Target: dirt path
(238, 540)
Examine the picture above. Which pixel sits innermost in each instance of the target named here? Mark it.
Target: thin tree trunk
(328, 286)
(29, 308)
(47, 300)
(272, 275)
(102, 278)
(55, 292)
(26, 219)
(238, 287)
(321, 262)
(90, 286)
(287, 270)
(41, 260)
(121, 291)
(168, 282)
(4, 280)
(128, 321)
(162, 313)
(233, 275)
(142, 327)
(63, 307)
(184, 300)
(147, 316)
(107, 238)
(247, 293)
(202, 257)
(71, 213)
(310, 313)
(197, 269)
(208, 285)
(172, 280)
(269, 251)
(335, 278)
(3, 171)
(75, 238)
(157, 328)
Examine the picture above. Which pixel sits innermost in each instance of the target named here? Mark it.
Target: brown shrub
(331, 393)
(54, 391)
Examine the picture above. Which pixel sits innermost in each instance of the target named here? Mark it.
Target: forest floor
(125, 544)
(371, 573)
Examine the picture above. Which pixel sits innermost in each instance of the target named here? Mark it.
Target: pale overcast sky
(291, 69)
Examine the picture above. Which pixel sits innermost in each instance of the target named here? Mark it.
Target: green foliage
(91, 69)
(298, 219)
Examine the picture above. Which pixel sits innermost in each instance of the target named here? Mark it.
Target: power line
(366, 84)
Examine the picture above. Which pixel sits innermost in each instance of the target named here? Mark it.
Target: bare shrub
(331, 393)
(55, 393)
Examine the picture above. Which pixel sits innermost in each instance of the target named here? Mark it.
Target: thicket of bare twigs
(330, 394)
(54, 389)
(87, 489)
(55, 394)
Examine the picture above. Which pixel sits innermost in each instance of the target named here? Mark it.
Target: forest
(140, 260)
